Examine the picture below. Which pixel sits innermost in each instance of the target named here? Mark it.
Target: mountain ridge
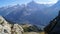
(34, 14)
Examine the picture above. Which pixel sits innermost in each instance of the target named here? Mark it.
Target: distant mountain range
(34, 13)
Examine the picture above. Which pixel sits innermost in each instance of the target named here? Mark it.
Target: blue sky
(13, 2)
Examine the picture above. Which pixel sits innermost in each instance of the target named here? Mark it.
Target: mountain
(27, 13)
(34, 13)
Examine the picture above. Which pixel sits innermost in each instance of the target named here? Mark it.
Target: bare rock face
(17, 29)
(6, 28)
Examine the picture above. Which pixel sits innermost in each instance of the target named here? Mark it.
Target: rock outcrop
(7, 28)
(17, 29)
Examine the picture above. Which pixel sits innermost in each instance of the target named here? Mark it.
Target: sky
(14, 2)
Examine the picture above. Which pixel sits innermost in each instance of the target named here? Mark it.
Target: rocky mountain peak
(32, 1)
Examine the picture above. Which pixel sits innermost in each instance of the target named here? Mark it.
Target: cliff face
(6, 28)
(54, 26)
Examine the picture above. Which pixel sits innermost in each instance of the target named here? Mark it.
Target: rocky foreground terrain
(8, 28)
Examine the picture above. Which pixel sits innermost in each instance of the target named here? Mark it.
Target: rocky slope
(9, 28)
(6, 28)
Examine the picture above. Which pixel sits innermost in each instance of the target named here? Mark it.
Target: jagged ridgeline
(54, 26)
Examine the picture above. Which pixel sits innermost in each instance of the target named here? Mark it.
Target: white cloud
(47, 1)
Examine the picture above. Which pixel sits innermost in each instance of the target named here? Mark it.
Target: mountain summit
(33, 4)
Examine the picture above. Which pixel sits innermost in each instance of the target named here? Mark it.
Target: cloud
(47, 1)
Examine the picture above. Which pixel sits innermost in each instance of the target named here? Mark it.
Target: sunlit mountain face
(34, 13)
